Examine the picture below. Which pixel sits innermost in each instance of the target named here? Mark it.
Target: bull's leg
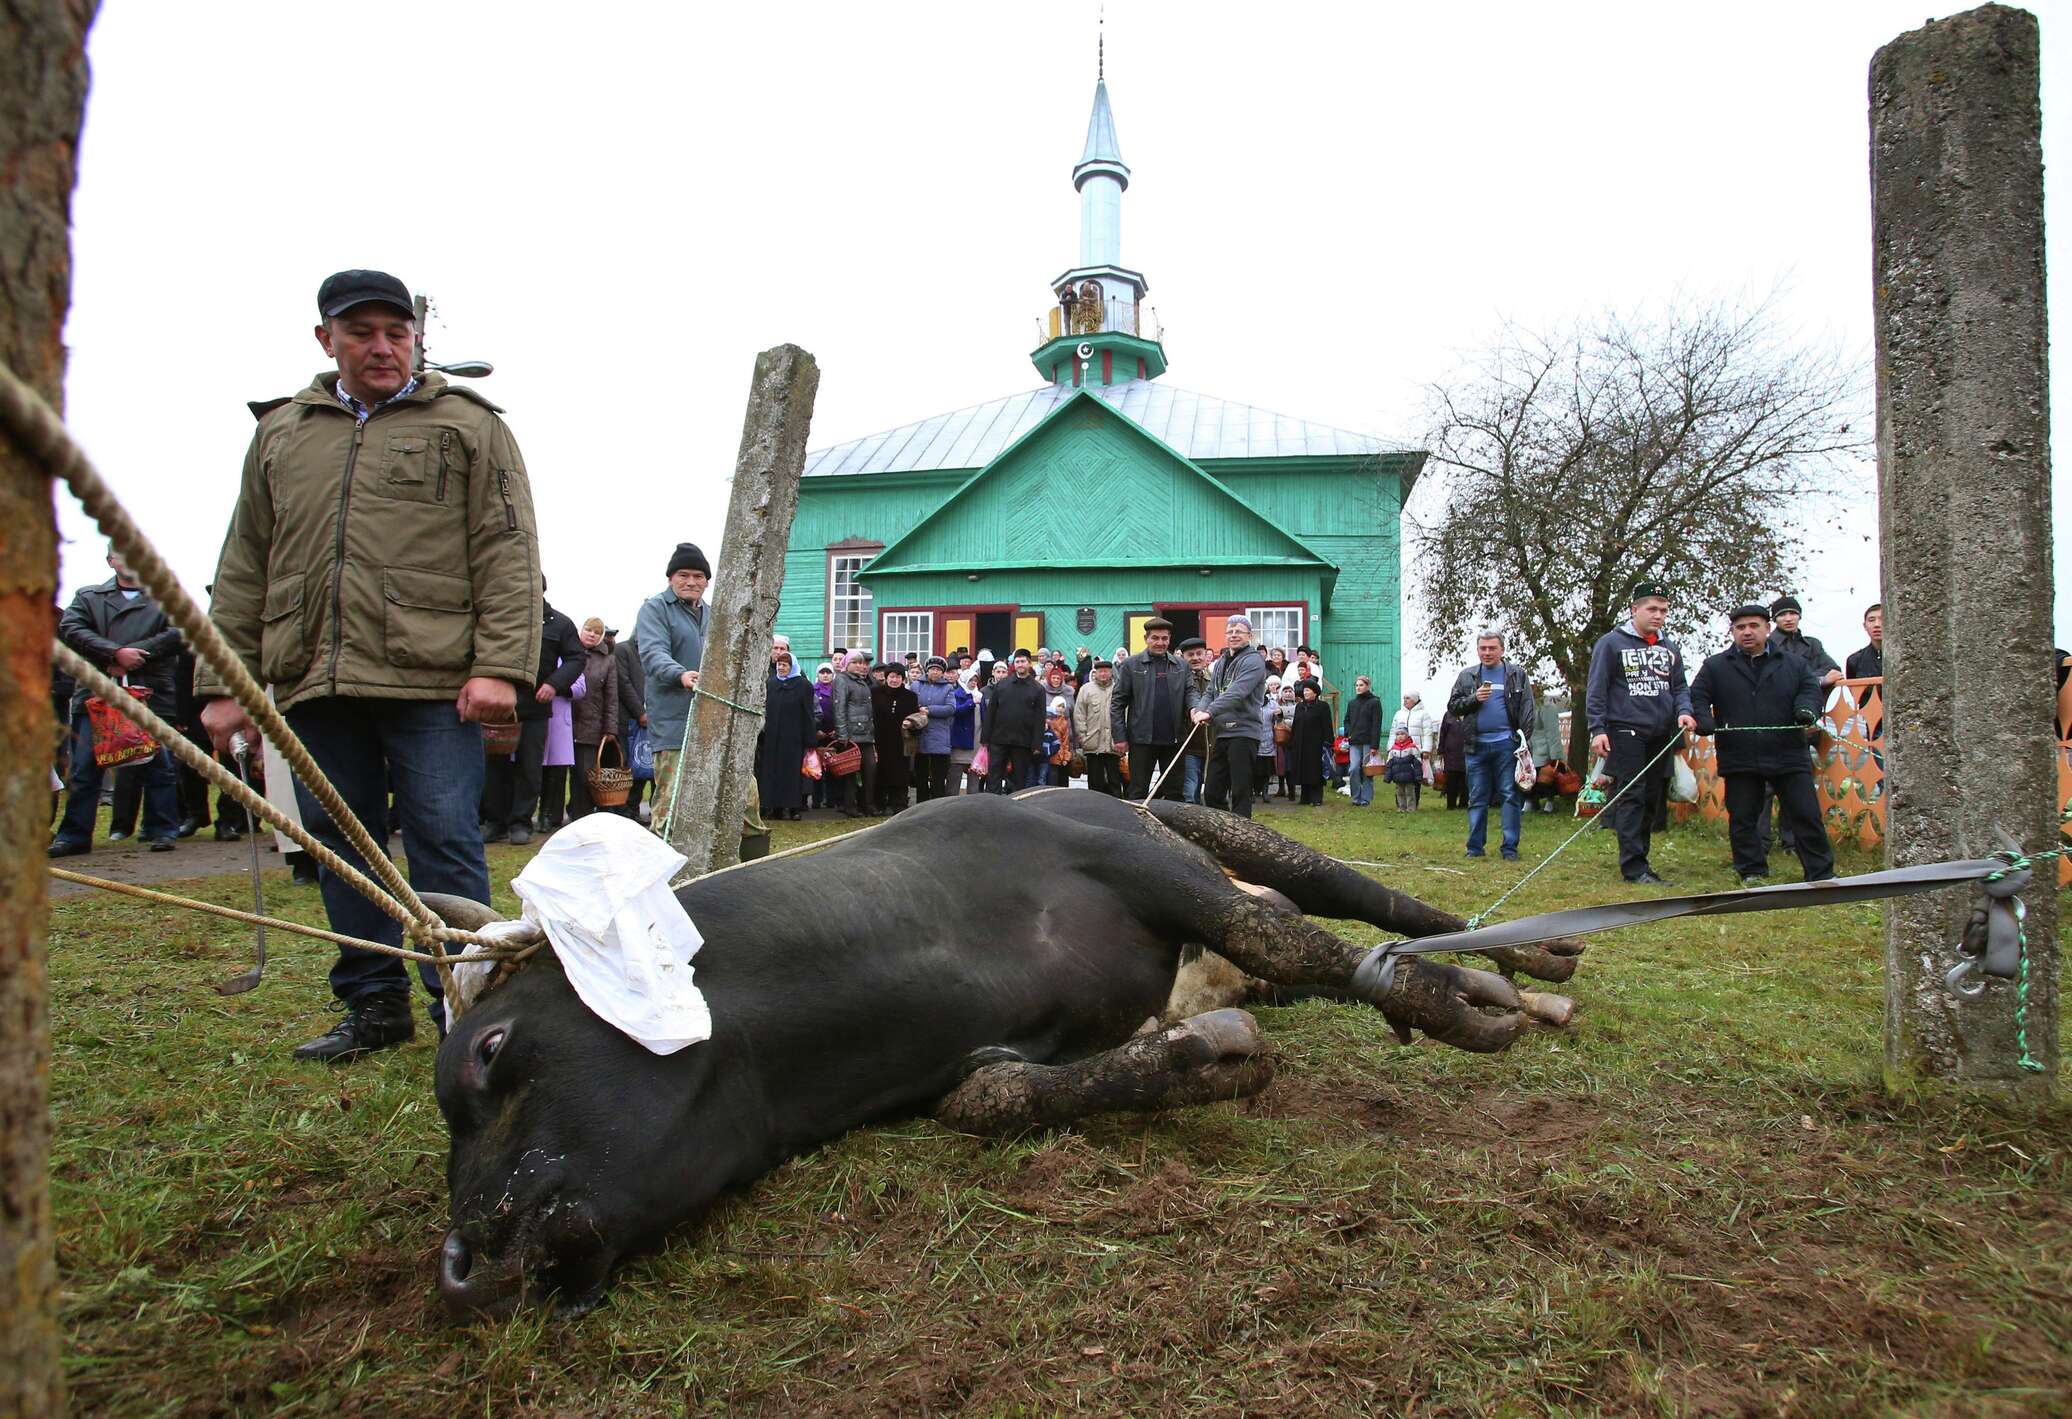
(1444, 1001)
(1320, 887)
(1201, 1060)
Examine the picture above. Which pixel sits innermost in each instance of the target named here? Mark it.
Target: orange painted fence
(1848, 776)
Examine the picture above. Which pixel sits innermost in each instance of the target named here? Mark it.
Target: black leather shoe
(187, 829)
(60, 848)
(1650, 879)
(304, 869)
(520, 834)
(116, 835)
(371, 1023)
(161, 844)
(228, 833)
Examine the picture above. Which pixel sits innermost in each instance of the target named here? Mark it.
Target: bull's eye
(487, 1046)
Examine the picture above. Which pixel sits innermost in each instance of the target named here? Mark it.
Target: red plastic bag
(116, 740)
(810, 765)
(982, 761)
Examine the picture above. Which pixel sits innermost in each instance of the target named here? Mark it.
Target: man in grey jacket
(1236, 710)
(670, 632)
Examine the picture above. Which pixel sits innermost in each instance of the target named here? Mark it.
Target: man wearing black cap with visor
(670, 632)
(1637, 703)
(1742, 695)
(381, 577)
(1147, 714)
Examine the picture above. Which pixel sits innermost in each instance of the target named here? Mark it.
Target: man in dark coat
(1788, 639)
(1148, 713)
(125, 634)
(1869, 664)
(1752, 685)
(1011, 725)
(1362, 735)
(511, 783)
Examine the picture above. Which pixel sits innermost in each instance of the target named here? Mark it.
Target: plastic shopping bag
(982, 761)
(116, 739)
(640, 753)
(1683, 784)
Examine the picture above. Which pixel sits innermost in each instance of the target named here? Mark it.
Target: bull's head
(559, 1126)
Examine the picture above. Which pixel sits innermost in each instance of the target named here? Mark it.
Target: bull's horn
(472, 979)
(458, 912)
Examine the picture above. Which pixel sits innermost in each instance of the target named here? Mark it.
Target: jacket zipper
(503, 486)
(345, 492)
(445, 443)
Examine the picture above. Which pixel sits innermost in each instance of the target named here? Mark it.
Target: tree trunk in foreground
(716, 777)
(42, 103)
(1964, 503)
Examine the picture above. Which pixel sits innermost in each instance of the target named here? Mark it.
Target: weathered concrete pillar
(717, 775)
(1964, 503)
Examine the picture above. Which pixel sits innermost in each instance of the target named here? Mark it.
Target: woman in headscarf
(788, 732)
(823, 792)
(891, 705)
(1309, 740)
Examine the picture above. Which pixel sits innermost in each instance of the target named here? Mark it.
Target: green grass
(1693, 1201)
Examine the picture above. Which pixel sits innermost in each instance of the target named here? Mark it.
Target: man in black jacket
(1869, 664)
(1148, 712)
(511, 785)
(1011, 719)
(125, 634)
(1637, 705)
(1736, 691)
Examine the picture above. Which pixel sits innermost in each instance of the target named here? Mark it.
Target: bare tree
(1684, 448)
(42, 102)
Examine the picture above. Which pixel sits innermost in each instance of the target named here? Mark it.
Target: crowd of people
(412, 648)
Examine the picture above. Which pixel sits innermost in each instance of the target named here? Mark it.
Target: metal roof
(1102, 146)
(1196, 426)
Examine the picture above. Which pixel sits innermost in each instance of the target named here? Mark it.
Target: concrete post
(717, 775)
(1964, 507)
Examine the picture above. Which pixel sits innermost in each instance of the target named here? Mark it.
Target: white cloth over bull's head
(600, 890)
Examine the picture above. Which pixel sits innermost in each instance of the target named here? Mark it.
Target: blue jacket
(672, 641)
(1634, 685)
(943, 703)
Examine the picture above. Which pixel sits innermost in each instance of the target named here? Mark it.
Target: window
(907, 631)
(848, 600)
(1276, 626)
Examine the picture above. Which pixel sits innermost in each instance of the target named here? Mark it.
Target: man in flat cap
(1748, 685)
(670, 631)
(382, 576)
(1637, 704)
(1148, 711)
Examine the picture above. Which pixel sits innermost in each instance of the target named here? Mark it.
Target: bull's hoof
(989, 1054)
(1552, 961)
(1456, 1005)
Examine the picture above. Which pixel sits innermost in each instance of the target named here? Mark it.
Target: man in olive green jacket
(381, 576)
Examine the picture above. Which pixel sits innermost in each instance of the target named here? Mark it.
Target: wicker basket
(501, 738)
(842, 758)
(610, 786)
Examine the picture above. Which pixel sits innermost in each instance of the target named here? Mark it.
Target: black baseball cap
(342, 290)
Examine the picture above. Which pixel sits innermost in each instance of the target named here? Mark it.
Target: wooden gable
(1089, 487)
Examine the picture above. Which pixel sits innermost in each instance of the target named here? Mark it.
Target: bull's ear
(473, 979)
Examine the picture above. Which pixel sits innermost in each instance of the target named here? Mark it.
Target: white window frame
(1277, 616)
(849, 619)
(897, 632)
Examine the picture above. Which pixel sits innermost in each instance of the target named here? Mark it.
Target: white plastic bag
(1683, 784)
(600, 889)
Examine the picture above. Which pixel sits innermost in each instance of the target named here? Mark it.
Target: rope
(252, 918)
(2021, 981)
(41, 434)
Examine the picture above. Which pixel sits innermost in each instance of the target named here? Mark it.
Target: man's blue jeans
(83, 796)
(1190, 778)
(436, 761)
(1363, 787)
(1492, 764)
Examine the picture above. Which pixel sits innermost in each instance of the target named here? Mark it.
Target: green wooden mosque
(1070, 514)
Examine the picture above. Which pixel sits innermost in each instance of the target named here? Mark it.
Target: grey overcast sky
(1334, 204)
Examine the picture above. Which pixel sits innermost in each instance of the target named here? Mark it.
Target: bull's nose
(473, 1288)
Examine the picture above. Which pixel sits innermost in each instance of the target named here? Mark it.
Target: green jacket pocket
(428, 619)
(284, 650)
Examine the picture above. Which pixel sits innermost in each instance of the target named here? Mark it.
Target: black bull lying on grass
(993, 960)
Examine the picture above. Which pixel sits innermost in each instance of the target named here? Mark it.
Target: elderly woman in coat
(941, 699)
(788, 732)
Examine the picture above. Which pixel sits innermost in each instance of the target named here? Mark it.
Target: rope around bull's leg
(39, 431)
(190, 754)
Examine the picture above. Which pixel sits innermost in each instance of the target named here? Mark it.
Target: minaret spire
(1101, 48)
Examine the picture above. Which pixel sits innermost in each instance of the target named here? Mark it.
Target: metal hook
(1965, 980)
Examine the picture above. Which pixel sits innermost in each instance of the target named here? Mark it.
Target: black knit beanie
(687, 558)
